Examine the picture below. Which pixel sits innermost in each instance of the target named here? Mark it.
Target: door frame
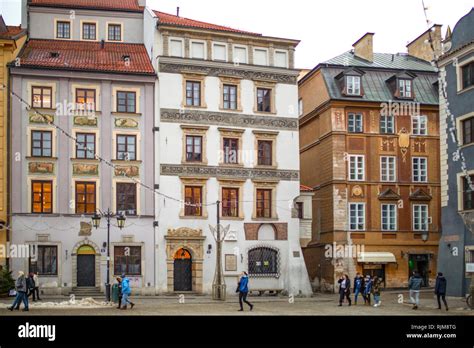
(78, 270)
(86, 242)
(189, 264)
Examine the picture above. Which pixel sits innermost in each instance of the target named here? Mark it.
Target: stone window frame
(233, 134)
(287, 63)
(40, 242)
(198, 182)
(29, 140)
(125, 132)
(234, 46)
(128, 244)
(191, 41)
(94, 131)
(194, 77)
(124, 88)
(71, 31)
(220, 43)
(107, 24)
(42, 84)
(88, 21)
(460, 128)
(194, 131)
(125, 180)
(96, 87)
(460, 188)
(98, 201)
(54, 187)
(265, 185)
(266, 136)
(176, 38)
(459, 67)
(234, 81)
(234, 184)
(259, 48)
(270, 85)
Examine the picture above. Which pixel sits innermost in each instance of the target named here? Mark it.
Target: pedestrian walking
(30, 285)
(119, 288)
(344, 289)
(36, 292)
(414, 286)
(367, 290)
(21, 291)
(440, 290)
(358, 287)
(126, 292)
(376, 289)
(243, 290)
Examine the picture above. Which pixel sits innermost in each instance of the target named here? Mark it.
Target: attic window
(405, 88)
(54, 54)
(353, 85)
(126, 57)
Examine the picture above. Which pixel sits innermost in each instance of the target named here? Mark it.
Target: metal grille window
(420, 169)
(264, 203)
(85, 198)
(264, 100)
(420, 217)
(356, 168)
(85, 145)
(193, 148)
(355, 123)
(88, 31)
(128, 260)
(126, 147)
(263, 261)
(231, 150)
(230, 97)
(357, 216)
(41, 143)
(353, 85)
(230, 202)
(193, 195)
(388, 168)
(193, 93)
(468, 75)
(41, 197)
(63, 30)
(389, 217)
(468, 194)
(126, 102)
(115, 32)
(468, 131)
(42, 97)
(46, 262)
(419, 125)
(387, 124)
(127, 199)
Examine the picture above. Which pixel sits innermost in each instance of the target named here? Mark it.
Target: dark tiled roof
(111, 5)
(86, 56)
(169, 19)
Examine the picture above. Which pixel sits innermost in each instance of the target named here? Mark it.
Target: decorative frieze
(130, 171)
(234, 173)
(85, 169)
(41, 168)
(34, 117)
(126, 123)
(228, 119)
(85, 121)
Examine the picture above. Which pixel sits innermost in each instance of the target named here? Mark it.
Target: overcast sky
(326, 28)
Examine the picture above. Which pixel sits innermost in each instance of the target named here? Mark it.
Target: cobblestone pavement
(319, 304)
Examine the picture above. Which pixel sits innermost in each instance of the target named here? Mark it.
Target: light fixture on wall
(66, 254)
(425, 236)
(209, 248)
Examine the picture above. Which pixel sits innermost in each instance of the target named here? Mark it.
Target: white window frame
(423, 226)
(403, 90)
(176, 39)
(356, 168)
(360, 218)
(226, 54)
(419, 130)
(246, 54)
(286, 59)
(353, 84)
(358, 119)
(388, 225)
(389, 160)
(191, 42)
(384, 120)
(417, 177)
(261, 49)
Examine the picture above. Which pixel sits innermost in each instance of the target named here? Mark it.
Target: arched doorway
(86, 266)
(183, 268)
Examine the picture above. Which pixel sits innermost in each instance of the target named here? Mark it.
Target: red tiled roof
(12, 32)
(169, 19)
(114, 5)
(305, 188)
(86, 56)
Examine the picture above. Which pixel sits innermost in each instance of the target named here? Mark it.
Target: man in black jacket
(440, 290)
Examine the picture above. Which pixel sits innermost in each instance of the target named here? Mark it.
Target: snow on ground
(88, 302)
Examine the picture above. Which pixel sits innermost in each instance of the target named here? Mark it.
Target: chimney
(421, 47)
(24, 14)
(102, 44)
(177, 11)
(364, 47)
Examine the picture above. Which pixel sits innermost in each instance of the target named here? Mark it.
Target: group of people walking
(25, 286)
(124, 292)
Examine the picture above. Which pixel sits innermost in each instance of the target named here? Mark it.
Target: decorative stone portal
(84, 249)
(190, 243)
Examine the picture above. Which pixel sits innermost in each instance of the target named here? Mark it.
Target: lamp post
(108, 215)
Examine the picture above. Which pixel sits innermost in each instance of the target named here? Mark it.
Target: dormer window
(405, 88)
(353, 85)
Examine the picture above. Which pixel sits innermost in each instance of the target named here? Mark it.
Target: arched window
(263, 261)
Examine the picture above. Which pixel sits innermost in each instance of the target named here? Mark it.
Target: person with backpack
(344, 289)
(126, 292)
(358, 287)
(376, 289)
(21, 291)
(367, 290)
(243, 290)
(440, 290)
(414, 286)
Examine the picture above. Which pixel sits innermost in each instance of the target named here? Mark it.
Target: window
(85, 99)
(357, 216)
(468, 194)
(281, 59)
(197, 50)
(193, 201)
(264, 100)
(265, 152)
(85, 148)
(63, 30)
(41, 144)
(260, 57)
(128, 260)
(88, 31)
(127, 199)
(264, 203)
(387, 124)
(220, 52)
(299, 210)
(41, 97)
(419, 125)
(388, 168)
(389, 217)
(193, 148)
(41, 197)
(420, 169)
(230, 202)
(468, 131)
(240, 54)
(405, 88)
(115, 32)
(356, 168)
(127, 147)
(176, 48)
(126, 102)
(263, 261)
(231, 150)
(420, 217)
(85, 198)
(353, 85)
(300, 107)
(468, 75)
(46, 263)
(355, 123)
(193, 93)
(230, 97)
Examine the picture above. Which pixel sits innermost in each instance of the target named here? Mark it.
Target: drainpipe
(8, 203)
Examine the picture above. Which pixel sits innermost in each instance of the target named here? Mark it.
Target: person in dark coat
(344, 289)
(367, 289)
(358, 287)
(119, 286)
(440, 290)
(243, 290)
(21, 291)
(30, 284)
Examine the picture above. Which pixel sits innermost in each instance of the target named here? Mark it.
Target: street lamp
(96, 223)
